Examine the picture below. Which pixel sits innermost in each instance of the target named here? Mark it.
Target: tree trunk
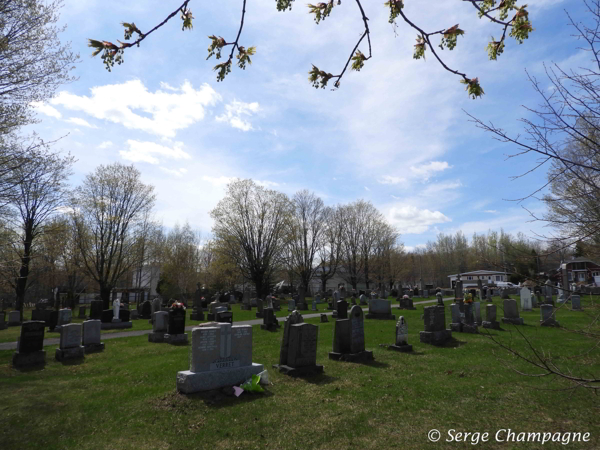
(21, 282)
(105, 296)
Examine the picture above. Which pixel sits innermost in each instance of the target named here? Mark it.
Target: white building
(486, 277)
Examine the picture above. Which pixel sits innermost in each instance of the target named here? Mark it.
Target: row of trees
(264, 233)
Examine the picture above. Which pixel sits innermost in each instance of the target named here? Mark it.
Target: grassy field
(125, 397)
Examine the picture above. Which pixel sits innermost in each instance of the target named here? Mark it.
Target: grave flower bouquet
(177, 305)
(468, 298)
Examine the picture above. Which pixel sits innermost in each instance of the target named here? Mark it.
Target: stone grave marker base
(176, 339)
(189, 382)
(299, 371)
(435, 337)
(69, 353)
(549, 323)
(115, 325)
(379, 316)
(32, 359)
(464, 328)
(224, 317)
(158, 336)
(517, 321)
(352, 357)
(494, 325)
(94, 348)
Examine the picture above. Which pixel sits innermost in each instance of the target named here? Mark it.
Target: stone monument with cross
(220, 356)
(401, 344)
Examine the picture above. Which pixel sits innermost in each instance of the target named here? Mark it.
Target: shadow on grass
(377, 364)
(73, 362)
(34, 368)
(452, 343)
(218, 399)
(320, 379)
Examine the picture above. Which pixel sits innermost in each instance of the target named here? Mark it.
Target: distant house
(486, 277)
(579, 270)
(146, 278)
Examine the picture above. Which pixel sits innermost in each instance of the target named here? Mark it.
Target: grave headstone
(314, 305)
(488, 295)
(477, 312)
(490, 316)
(82, 312)
(349, 338)
(146, 310)
(270, 322)
(14, 318)
(324, 318)
(342, 309)
(526, 304)
(259, 308)
(222, 315)
(176, 327)
(70, 343)
(511, 313)
(548, 293)
(3, 323)
(576, 303)
(406, 303)
(440, 298)
(96, 309)
(401, 344)
(135, 315)
(159, 326)
(435, 332)
(298, 354)
(363, 299)
(30, 347)
(291, 305)
(469, 324)
(380, 309)
(92, 336)
(64, 317)
(548, 319)
(220, 355)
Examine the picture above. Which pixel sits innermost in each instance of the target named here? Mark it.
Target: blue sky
(394, 133)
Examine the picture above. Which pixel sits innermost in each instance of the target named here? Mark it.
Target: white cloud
(427, 170)
(46, 109)
(491, 211)
(81, 122)
(412, 220)
(105, 145)
(218, 181)
(388, 179)
(169, 111)
(234, 113)
(367, 189)
(266, 184)
(144, 151)
(176, 172)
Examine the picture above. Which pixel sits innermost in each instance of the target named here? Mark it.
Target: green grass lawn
(125, 397)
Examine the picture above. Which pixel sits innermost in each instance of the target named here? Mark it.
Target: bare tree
(251, 225)
(308, 225)
(41, 191)
(330, 253)
(33, 62)
(107, 208)
(565, 135)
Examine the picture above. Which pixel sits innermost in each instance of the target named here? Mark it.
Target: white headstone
(160, 321)
(526, 304)
(401, 332)
(70, 335)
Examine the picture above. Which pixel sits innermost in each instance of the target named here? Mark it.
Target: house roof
(577, 260)
(480, 272)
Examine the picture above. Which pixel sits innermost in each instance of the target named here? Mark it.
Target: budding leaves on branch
(449, 37)
(521, 25)
(282, 5)
(186, 17)
(495, 48)
(215, 47)
(419, 48)
(473, 87)
(111, 54)
(319, 78)
(395, 7)
(358, 60)
(321, 10)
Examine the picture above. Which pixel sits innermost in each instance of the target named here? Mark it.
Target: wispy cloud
(146, 151)
(169, 111)
(236, 113)
(80, 122)
(410, 219)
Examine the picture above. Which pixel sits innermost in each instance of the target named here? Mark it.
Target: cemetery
(189, 387)
(238, 225)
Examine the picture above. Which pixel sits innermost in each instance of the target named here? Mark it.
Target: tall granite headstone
(30, 347)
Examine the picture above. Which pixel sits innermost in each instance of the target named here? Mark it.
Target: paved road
(122, 334)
